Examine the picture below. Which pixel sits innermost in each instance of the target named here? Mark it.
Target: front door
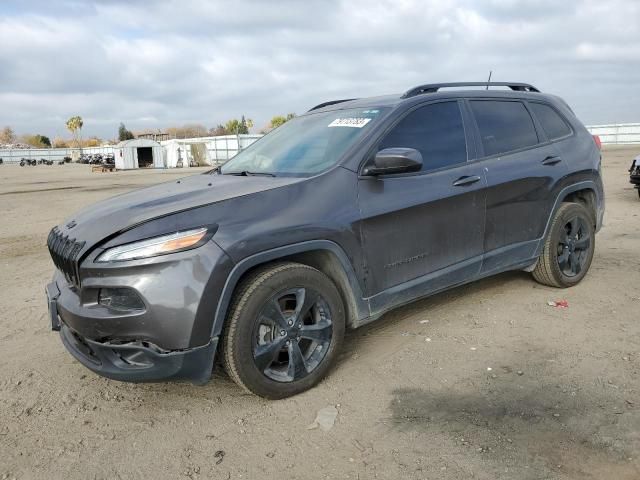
(423, 231)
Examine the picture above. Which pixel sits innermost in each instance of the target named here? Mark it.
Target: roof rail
(434, 87)
(331, 102)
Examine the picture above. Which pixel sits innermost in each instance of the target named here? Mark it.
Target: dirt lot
(486, 381)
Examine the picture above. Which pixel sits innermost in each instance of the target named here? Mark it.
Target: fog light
(120, 299)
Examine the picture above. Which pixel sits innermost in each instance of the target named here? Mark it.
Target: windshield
(305, 145)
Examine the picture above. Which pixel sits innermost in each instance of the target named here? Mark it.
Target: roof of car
(433, 92)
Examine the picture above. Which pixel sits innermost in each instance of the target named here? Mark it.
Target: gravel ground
(486, 381)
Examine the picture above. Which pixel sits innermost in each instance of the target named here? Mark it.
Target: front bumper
(169, 339)
(135, 362)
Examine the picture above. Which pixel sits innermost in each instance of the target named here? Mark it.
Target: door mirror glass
(395, 160)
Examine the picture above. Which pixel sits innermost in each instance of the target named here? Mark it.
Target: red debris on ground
(559, 304)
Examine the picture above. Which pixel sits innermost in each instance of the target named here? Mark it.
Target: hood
(122, 212)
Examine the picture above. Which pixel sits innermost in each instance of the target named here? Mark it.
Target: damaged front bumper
(137, 362)
(165, 336)
(132, 361)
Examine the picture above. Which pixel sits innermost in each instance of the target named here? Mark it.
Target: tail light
(596, 138)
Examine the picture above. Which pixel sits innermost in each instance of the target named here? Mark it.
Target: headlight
(171, 243)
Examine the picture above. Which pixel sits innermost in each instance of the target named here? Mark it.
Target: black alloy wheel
(568, 247)
(284, 330)
(574, 246)
(292, 335)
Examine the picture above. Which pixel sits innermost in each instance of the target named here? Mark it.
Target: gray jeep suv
(350, 210)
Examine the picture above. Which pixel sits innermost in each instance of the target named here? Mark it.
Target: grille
(64, 252)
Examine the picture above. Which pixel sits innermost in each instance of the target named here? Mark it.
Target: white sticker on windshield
(350, 122)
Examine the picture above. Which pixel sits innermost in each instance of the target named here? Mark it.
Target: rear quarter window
(504, 126)
(552, 123)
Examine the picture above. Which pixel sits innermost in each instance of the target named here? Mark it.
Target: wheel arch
(586, 197)
(585, 192)
(324, 255)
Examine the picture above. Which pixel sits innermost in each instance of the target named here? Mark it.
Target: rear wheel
(568, 248)
(284, 330)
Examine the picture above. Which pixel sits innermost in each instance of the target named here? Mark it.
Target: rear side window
(552, 123)
(436, 131)
(504, 126)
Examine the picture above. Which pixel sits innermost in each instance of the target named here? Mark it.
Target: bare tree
(217, 131)
(190, 130)
(7, 135)
(60, 143)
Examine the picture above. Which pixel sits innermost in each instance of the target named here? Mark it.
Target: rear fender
(584, 185)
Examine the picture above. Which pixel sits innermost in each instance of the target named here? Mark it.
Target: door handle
(551, 160)
(466, 180)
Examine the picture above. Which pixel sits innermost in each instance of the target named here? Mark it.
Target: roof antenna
(488, 80)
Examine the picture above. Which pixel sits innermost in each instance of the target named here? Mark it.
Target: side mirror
(395, 160)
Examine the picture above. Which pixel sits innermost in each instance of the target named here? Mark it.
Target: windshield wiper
(247, 173)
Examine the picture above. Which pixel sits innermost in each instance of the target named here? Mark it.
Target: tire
(568, 248)
(272, 321)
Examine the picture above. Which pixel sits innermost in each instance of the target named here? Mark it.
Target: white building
(138, 153)
(214, 151)
(177, 153)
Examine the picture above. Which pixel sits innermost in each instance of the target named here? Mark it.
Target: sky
(154, 64)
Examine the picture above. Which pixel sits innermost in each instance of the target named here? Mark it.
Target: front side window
(552, 123)
(436, 131)
(504, 126)
(305, 145)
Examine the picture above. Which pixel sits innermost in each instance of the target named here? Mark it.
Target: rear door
(522, 168)
(423, 231)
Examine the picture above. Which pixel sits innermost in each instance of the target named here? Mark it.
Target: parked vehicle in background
(95, 159)
(343, 213)
(634, 173)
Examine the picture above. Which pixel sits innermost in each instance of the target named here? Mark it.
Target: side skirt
(436, 282)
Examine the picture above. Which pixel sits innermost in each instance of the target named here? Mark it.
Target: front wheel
(568, 248)
(284, 330)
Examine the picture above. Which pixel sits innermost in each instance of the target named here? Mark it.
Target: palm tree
(74, 125)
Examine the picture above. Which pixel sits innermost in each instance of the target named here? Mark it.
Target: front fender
(360, 305)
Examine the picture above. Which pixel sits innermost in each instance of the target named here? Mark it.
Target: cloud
(154, 64)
